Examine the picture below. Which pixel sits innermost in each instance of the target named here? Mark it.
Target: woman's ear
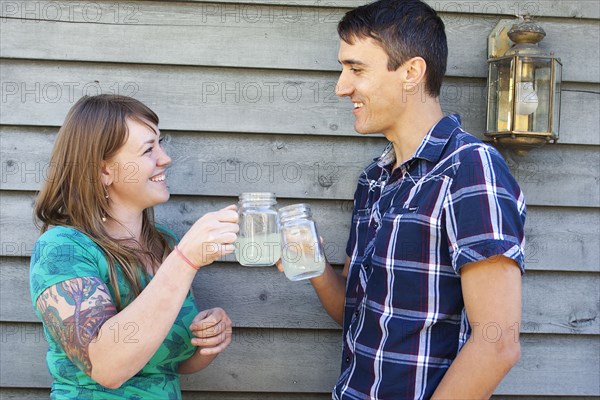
(106, 173)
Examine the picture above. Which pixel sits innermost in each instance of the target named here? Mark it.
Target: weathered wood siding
(245, 93)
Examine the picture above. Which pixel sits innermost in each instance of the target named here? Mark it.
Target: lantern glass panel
(499, 113)
(556, 104)
(533, 94)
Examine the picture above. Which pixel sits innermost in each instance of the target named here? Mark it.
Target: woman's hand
(212, 330)
(211, 237)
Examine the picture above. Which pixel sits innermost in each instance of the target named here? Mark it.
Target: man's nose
(343, 86)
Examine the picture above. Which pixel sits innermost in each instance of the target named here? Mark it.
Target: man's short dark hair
(404, 29)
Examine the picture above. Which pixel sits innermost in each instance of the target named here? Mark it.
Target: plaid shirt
(452, 203)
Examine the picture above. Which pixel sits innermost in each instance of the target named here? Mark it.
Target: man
(430, 295)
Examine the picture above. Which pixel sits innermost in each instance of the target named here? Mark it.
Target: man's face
(375, 92)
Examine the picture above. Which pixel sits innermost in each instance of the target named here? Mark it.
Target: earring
(106, 197)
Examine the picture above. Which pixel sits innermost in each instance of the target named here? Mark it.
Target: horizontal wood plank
(267, 360)
(204, 99)
(190, 395)
(264, 298)
(42, 394)
(579, 115)
(237, 100)
(561, 239)
(274, 360)
(280, 37)
(586, 9)
(327, 167)
(510, 8)
(24, 394)
(518, 397)
(549, 363)
(539, 175)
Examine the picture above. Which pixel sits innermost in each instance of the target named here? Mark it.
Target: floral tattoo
(73, 311)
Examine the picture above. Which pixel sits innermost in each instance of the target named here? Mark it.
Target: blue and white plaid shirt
(454, 202)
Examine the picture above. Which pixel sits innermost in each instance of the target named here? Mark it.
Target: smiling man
(430, 295)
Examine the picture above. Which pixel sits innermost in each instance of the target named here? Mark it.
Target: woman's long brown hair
(73, 194)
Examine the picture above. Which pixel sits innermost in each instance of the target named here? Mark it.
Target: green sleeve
(60, 254)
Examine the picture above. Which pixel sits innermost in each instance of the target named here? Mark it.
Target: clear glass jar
(258, 243)
(302, 254)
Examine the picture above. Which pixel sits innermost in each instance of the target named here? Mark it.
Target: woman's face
(136, 174)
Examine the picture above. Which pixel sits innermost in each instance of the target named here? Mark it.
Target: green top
(63, 253)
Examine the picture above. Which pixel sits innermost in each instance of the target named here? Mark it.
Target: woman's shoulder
(64, 240)
(63, 253)
(64, 234)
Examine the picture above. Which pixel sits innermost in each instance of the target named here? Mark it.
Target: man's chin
(360, 129)
(364, 130)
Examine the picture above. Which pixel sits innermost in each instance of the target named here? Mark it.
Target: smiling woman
(135, 176)
(111, 287)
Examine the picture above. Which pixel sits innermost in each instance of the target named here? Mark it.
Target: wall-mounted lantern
(523, 104)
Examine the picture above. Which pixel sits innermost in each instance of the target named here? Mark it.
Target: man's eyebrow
(351, 61)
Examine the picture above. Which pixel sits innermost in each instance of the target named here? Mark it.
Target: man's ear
(106, 173)
(415, 69)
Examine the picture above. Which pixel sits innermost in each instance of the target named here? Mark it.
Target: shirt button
(347, 359)
(367, 267)
(356, 313)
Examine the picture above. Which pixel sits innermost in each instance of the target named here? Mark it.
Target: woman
(111, 288)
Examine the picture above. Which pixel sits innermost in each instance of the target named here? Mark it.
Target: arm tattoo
(73, 311)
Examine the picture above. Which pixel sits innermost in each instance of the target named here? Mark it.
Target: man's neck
(413, 125)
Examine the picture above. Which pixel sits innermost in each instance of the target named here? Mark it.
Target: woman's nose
(163, 159)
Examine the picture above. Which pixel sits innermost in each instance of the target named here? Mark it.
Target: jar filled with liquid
(302, 255)
(258, 243)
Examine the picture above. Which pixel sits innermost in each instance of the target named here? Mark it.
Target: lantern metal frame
(525, 35)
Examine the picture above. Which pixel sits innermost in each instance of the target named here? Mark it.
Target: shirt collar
(431, 146)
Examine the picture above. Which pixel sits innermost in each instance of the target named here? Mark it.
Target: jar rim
(294, 211)
(257, 194)
(258, 198)
(295, 206)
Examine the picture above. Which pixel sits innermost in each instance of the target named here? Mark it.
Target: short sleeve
(60, 254)
(485, 210)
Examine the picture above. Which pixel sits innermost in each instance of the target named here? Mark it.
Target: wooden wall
(244, 90)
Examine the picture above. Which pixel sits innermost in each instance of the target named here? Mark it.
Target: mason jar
(258, 243)
(302, 254)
